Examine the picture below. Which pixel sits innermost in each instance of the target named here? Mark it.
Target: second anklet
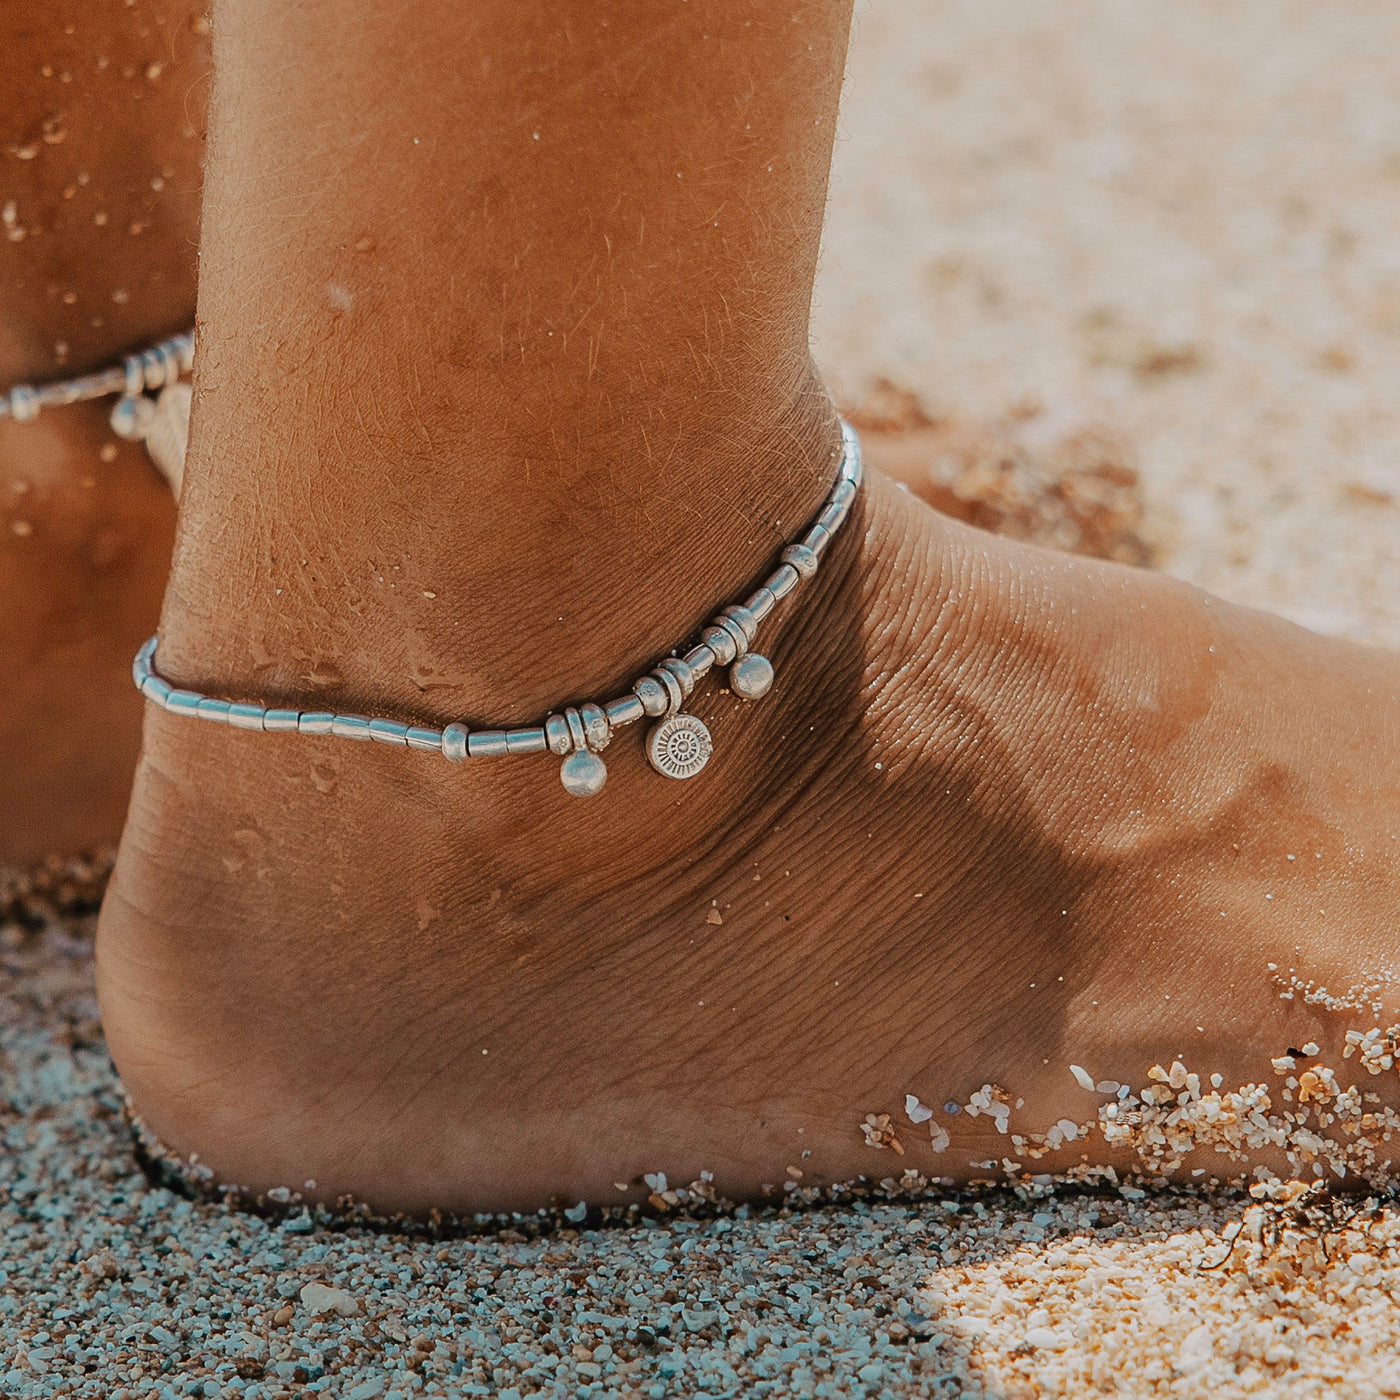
(154, 406)
(678, 744)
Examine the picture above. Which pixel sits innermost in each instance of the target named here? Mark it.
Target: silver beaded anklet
(154, 407)
(678, 746)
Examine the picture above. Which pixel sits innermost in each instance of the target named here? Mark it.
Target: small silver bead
(679, 747)
(280, 721)
(350, 727)
(743, 618)
(801, 558)
(183, 702)
(583, 774)
(246, 716)
(169, 356)
(455, 742)
(653, 695)
(422, 737)
(782, 581)
(24, 403)
(816, 539)
(315, 722)
(577, 737)
(844, 494)
(556, 730)
(595, 726)
(131, 418)
(751, 676)
(685, 677)
(141, 663)
(760, 604)
(152, 369)
(852, 468)
(488, 743)
(529, 740)
(211, 709)
(674, 698)
(722, 643)
(155, 690)
(626, 709)
(388, 731)
(699, 659)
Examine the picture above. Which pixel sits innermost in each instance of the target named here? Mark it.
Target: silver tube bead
(851, 465)
(135, 373)
(421, 737)
(760, 604)
(211, 709)
(246, 716)
(653, 695)
(844, 494)
(685, 677)
(782, 581)
(722, 642)
(596, 729)
(183, 702)
(487, 743)
(350, 727)
(556, 733)
(281, 721)
(315, 722)
(816, 539)
(529, 740)
(626, 709)
(154, 689)
(456, 742)
(674, 698)
(388, 731)
(830, 519)
(699, 659)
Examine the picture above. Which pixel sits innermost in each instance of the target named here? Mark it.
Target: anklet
(154, 407)
(678, 745)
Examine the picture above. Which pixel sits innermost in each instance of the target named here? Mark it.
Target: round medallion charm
(751, 676)
(583, 773)
(679, 747)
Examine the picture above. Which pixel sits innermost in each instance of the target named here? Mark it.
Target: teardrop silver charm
(679, 747)
(751, 676)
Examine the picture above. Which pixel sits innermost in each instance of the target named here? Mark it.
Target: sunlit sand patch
(1068, 1312)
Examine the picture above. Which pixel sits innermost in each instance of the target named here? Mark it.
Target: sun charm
(679, 747)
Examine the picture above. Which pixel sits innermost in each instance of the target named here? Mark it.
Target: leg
(100, 196)
(503, 388)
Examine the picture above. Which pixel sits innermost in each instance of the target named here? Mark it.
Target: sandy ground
(1177, 222)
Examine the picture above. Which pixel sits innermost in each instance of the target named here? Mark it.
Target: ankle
(444, 605)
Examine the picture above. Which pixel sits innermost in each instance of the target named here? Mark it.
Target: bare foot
(97, 236)
(1004, 812)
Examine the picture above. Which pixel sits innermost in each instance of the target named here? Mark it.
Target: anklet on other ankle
(154, 407)
(678, 746)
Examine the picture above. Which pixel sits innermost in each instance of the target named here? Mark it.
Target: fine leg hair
(543, 274)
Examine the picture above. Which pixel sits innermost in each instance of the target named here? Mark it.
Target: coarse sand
(1169, 228)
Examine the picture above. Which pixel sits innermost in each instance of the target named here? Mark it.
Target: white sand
(1178, 220)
